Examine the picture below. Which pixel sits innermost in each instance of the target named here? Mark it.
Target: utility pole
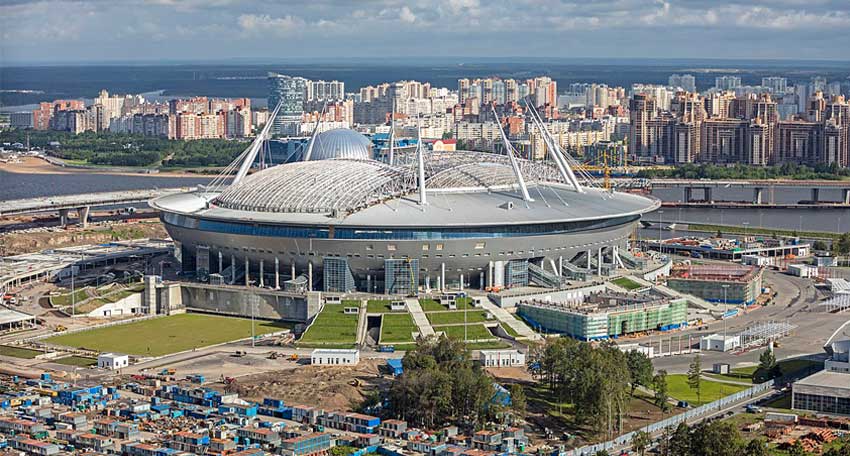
(725, 309)
(73, 294)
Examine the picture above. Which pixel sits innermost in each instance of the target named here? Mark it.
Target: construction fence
(673, 421)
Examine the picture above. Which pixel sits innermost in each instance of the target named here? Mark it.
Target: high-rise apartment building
(290, 92)
(727, 82)
(777, 85)
(686, 82)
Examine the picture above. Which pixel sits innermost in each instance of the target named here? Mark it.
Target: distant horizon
(427, 60)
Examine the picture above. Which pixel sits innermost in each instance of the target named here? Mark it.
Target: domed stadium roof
(341, 143)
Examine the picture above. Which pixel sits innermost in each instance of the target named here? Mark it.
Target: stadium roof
(341, 143)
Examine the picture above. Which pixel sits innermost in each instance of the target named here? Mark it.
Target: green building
(593, 322)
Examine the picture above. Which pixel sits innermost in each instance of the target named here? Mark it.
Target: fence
(702, 410)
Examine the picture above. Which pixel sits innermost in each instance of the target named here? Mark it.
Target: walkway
(419, 317)
(361, 325)
(509, 319)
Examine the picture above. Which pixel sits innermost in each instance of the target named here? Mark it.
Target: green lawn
(397, 328)
(161, 336)
(677, 385)
(332, 326)
(65, 299)
(473, 332)
(456, 316)
(430, 305)
(627, 283)
(18, 352)
(79, 361)
(509, 330)
(379, 306)
(494, 345)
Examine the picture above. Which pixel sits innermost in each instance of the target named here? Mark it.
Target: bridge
(759, 187)
(82, 203)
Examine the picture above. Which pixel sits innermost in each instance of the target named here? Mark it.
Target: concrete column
(708, 194)
(232, 270)
(439, 284)
(481, 280)
(490, 267)
(815, 195)
(63, 217)
(461, 282)
(589, 256)
(688, 196)
(220, 262)
(757, 195)
(309, 276)
(83, 213)
(247, 268)
(442, 276)
(561, 266)
(427, 283)
(599, 262)
(292, 270)
(262, 281)
(845, 196)
(368, 283)
(276, 273)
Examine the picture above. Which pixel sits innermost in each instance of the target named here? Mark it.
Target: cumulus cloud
(261, 23)
(406, 15)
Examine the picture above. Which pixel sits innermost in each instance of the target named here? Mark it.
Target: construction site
(605, 315)
(723, 283)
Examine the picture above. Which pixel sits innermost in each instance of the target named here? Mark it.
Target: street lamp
(660, 222)
(725, 309)
(745, 227)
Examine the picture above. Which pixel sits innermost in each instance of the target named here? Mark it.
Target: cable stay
(514, 164)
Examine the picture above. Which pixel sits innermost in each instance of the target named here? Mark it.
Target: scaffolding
(837, 303)
(764, 332)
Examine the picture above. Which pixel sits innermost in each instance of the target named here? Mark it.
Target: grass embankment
(397, 328)
(677, 386)
(331, 327)
(78, 361)
(161, 336)
(18, 352)
(728, 229)
(456, 317)
(64, 300)
(473, 332)
(627, 283)
(380, 306)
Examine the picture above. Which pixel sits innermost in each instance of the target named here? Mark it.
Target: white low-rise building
(112, 361)
(502, 358)
(335, 357)
(803, 270)
(719, 342)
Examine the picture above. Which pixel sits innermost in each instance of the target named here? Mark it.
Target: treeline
(786, 171)
(597, 381)
(122, 149)
(441, 386)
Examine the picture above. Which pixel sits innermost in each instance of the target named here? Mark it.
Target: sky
(90, 31)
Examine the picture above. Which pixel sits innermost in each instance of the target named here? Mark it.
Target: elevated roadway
(82, 202)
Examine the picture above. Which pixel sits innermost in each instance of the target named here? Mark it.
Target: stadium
(339, 220)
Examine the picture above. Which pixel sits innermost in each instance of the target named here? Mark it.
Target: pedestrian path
(419, 317)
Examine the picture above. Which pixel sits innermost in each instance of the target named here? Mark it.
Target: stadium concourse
(339, 220)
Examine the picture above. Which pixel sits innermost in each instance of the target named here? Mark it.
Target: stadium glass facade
(337, 275)
(401, 276)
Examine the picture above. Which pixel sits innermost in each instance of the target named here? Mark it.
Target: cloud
(262, 23)
(406, 15)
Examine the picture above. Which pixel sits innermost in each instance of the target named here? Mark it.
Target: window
(391, 247)
(480, 245)
(439, 246)
(425, 247)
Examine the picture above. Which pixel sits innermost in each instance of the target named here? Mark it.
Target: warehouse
(731, 284)
(827, 391)
(605, 315)
(502, 358)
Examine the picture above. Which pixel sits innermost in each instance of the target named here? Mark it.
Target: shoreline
(38, 165)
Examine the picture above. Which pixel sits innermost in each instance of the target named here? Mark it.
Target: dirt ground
(332, 388)
(27, 242)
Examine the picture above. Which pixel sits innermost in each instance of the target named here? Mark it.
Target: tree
(767, 368)
(518, 401)
(843, 244)
(640, 369)
(717, 438)
(756, 447)
(640, 442)
(680, 441)
(601, 453)
(820, 245)
(797, 449)
(695, 376)
(659, 385)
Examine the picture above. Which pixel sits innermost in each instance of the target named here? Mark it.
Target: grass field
(397, 328)
(65, 299)
(677, 385)
(509, 330)
(79, 361)
(454, 317)
(17, 352)
(332, 326)
(430, 305)
(380, 306)
(161, 336)
(627, 283)
(473, 332)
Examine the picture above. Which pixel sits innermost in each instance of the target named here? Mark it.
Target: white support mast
(255, 146)
(312, 141)
(509, 150)
(423, 200)
(563, 166)
(392, 133)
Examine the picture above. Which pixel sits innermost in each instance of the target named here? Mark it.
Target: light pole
(660, 222)
(745, 228)
(73, 295)
(725, 309)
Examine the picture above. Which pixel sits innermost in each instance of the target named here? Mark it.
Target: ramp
(509, 319)
(419, 317)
